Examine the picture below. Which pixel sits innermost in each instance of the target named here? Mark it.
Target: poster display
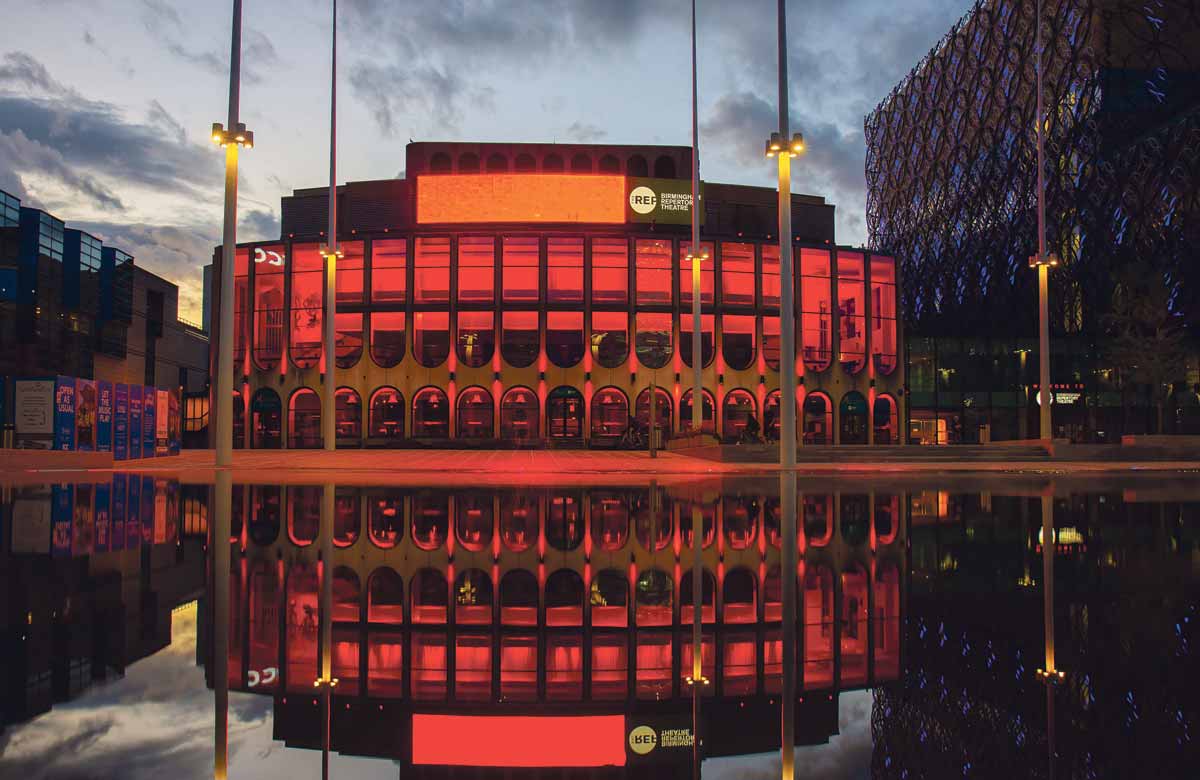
(103, 515)
(149, 404)
(64, 413)
(162, 423)
(118, 512)
(104, 416)
(33, 413)
(173, 429)
(85, 415)
(31, 528)
(62, 502)
(133, 513)
(120, 422)
(135, 422)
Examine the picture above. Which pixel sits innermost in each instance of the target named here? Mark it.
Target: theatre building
(533, 294)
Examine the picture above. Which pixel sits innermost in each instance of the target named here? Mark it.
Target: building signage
(135, 422)
(659, 738)
(149, 404)
(662, 201)
(121, 422)
(33, 413)
(64, 413)
(85, 415)
(162, 423)
(268, 256)
(104, 416)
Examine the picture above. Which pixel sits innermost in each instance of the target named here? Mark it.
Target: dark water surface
(551, 628)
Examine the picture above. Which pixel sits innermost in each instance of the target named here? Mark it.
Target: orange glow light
(518, 740)
(509, 197)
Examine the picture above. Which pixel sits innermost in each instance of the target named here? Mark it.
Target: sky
(106, 105)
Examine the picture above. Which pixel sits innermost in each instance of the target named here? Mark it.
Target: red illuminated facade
(511, 295)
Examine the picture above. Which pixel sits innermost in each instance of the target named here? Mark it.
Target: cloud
(165, 25)
(21, 154)
(257, 225)
(585, 133)
(160, 116)
(395, 93)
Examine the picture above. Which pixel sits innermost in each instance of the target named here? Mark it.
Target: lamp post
(1051, 676)
(331, 252)
(1042, 261)
(697, 256)
(326, 682)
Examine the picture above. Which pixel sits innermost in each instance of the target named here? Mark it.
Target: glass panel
(662, 411)
(387, 338)
(610, 338)
(883, 314)
(706, 413)
(519, 415)
(653, 272)
(610, 414)
(770, 341)
(771, 290)
(386, 528)
(431, 339)
(347, 413)
(241, 307)
(349, 344)
(304, 413)
(708, 275)
(707, 337)
(387, 414)
(816, 317)
(610, 271)
(520, 270)
(475, 413)
(308, 286)
(268, 306)
(349, 277)
(564, 271)
(519, 343)
(852, 335)
(432, 270)
(653, 339)
(476, 337)
(740, 418)
(431, 414)
(564, 413)
(476, 269)
(737, 274)
(389, 270)
(737, 340)
(564, 338)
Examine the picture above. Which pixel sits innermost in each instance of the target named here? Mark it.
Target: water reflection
(443, 615)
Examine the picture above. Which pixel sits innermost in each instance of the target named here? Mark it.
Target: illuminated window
(268, 306)
(389, 270)
(564, 413)
(564, 667)
(851, 297)
(564, 598)
(385, 522)
(475, 413)
(708, 516)
(387, 414)
(468, 162)
(266, 413)
(564, 338)
(348, 345)
(265, 513)
(473, 526)
(663, 413)
(740, 519)
(431, 414)
(816, 316)
(349, 276)
(476, 270)
(519, 338)
(654, 594)
(706, 337)
(519, 415)
(430, 601)
(518, 519)
(581, 163)
(473, 588)
(430, 521)
(476, 337)
(737, 340)
(431, 263)
(708, 275)
(610, 599)
(854, 647)
(301, 655)
(520, 273)
(304, 420)
(385, 594)
(564, 271)
(348, 414)
(653, 339)
(564, 522)
(610, 520)
(610, 666)
(652, 523)
(308, 285)
(771, 289)
(637, 166)
(737, 274)
(610, 338)
(304, 513)
(884, 420)
(707, 412)
(387, 338)
(739, 409)
(653, 272)
(347, 516)
(610, 414)
(519, 598)
(771, 340)
(883, 314)
(242, 306)
(610, 271)
(818, 419)
(431, 338)
(852, 422)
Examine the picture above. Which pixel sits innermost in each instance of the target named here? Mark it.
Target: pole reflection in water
(1050, 674)
(697, 679)
(222, 522)
(326, 681)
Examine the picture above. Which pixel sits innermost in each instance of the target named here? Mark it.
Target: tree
(1148, 343)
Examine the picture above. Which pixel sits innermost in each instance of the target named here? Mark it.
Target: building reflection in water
(553, 605)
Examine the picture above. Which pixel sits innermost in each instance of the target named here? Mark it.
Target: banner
(162, 423)
(118, 512)
(61, 504)
(146, 507)
(85, 415)
(33, 413)
(149, 403)
(104, 416)
(135, 422)
(173, 430)
(64, 413)
(83, 528)
(121, 422)
(133, 513)
(103, 517)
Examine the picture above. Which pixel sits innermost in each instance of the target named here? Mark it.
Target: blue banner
(147, 505)
(133, 513)
(121, 422)
(103, 517)
(104, 416)
(149, 403)
(118, 512)
(135, 422)
(62, 504)
(64, 413)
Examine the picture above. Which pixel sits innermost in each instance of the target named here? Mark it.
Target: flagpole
(328, 404)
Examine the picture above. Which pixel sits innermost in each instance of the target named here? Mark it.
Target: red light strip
(518, 740)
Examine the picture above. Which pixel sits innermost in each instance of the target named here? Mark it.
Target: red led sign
(518, 740)
(517, 197)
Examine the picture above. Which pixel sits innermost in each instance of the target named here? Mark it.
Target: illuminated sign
(268, 256)
(642, 740)
(516, 197)
(660, 738)
(665, 201)
(255, 678)
(518, 740)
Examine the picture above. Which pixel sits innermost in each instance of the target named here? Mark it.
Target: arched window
(431, 414)
(708, 522)
(854, 646)
(609, 164)
(855, 518)
(652, 520)
(610, 338)
(525, 163)
(707, 412)
(468, 162)
(476, 269)
(430, 520)
(663, 411)
(304, 513)
(852, 413)
(385, 518)
(851, 297)
(302, 622)
(664, 167)
(476, 338)
(564, 522)
(564, 270)
(519, 598)
(610, 599)
(564, 338)
(636, 165)
(387, 338)
(475, 414)
(887, 517)
(564, 413)
(519, 338)
(653, 339)
(519, 415)
(739, 409)
(816, 315)
(518, 520)
(387, 414)
(473, 598)
(348, 345)
(818, 627)
(348, 415)
(385, 597)
(737, 275)
(304, 420)
(389, 270)
(308, 296)
(884, 418)
(707, 338)
(439, 163)
(708, 591)
(266, 420)
(552, 163)
(610, 520)
(655, 595)
(817, 512)
(473, 520)
(610, 414)
(431, 339)
(520, 270)
(347, 596)
(653, 272)
(739, 596)
(431, 271)
(707, 275)
(883, 314)
(497, 163)
(610, 272)
(740, 519)
(429, 599)
(269, 330)
(581, 163)
(564, 598)
(737, 340)
(818, 419)
(265, 513)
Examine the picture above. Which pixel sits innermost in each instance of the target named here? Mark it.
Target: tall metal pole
(697, 648)
(697, 369)
(326, 681)
(328, 406)
(1043, 269)
(223, 494)
(224, 407)
(787, 419)
(1051, 678)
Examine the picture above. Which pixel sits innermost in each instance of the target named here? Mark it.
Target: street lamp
(1042, 261)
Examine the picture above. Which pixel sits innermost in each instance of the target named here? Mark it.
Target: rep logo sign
(662, 201)
(642, 740)
(642, 200)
